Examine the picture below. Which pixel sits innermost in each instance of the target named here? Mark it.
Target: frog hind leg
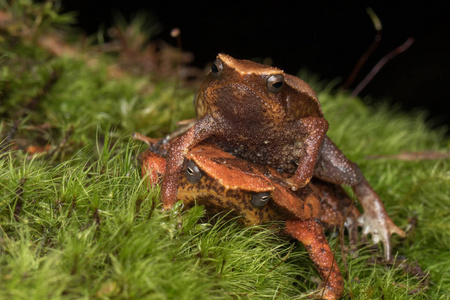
(337, 209)
(332, 166)
(310, 233)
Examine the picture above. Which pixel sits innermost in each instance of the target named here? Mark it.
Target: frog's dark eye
(217, 68)
(193, 173)
(275, 83)
(260, 199)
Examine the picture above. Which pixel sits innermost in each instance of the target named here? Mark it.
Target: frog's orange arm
(310, 233)
(177, 153)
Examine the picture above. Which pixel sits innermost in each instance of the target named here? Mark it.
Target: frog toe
(380, 228)
(375, 220)
(295, 184)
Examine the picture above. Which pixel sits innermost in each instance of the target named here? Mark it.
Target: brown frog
(257, 193)
(263, 115)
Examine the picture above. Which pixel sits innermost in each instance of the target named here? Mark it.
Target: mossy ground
(77, 221)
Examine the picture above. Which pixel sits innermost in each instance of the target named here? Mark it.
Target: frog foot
(380, 227)
(375, 221)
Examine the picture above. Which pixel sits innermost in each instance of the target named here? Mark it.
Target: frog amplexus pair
(259, 148)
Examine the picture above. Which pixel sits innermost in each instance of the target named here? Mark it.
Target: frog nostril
(260, 199)
(193, 173)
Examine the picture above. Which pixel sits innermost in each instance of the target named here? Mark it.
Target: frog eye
(275, 83)
(193, 173)
(217, 68)
(260, 199)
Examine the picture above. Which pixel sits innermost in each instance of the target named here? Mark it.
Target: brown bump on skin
(324, 269)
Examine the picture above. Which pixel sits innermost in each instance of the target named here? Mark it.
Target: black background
(325, 37)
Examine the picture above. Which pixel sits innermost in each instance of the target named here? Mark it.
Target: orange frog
(257, 194)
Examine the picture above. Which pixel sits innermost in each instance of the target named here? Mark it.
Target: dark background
(325, 37)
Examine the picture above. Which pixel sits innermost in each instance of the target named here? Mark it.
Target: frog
(263, 115)
(256, 194)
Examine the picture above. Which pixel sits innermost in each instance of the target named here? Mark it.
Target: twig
(19, 200)
(282, 260)
(140, 137)
(402, 48)
(176, 34)
(412, 156)
(6, 144)
(362, 60)
(62, 144)
(96, 217)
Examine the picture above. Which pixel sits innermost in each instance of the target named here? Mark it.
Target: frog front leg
(176, 155)
(332, 166)
(310, 233)
(312, 132)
